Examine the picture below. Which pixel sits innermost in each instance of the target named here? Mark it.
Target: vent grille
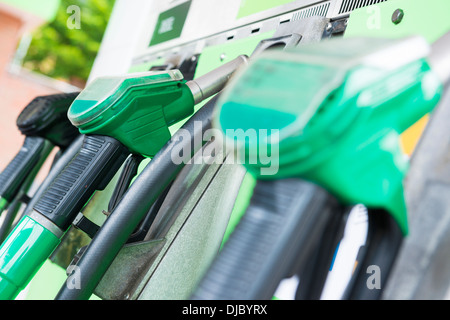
(318, 10)
(350, 5)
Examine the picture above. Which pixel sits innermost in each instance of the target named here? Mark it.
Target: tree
(66, 47)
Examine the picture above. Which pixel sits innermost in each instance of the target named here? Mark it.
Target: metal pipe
(439, 58)
(207, 85)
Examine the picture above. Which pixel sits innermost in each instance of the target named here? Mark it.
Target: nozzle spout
(212, 82)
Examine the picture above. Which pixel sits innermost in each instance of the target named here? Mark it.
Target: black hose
(314, 274)
(280, 231)
(133, 207)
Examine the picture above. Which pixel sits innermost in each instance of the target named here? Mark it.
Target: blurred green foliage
(66, 48)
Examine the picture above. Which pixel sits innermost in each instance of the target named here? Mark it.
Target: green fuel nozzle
(138, 109)
(332, 113)
(119, 116)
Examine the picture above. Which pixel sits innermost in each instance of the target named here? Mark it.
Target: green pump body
(332, 114)
(135, 109)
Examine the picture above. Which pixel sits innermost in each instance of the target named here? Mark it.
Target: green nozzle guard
(133, 107)
(332, 113)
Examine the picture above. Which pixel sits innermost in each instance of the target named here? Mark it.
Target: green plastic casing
(22, 254)
(135, 109)
(332, 113)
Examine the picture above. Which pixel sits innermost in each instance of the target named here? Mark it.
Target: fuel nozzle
(137, 109)
(336, 110)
